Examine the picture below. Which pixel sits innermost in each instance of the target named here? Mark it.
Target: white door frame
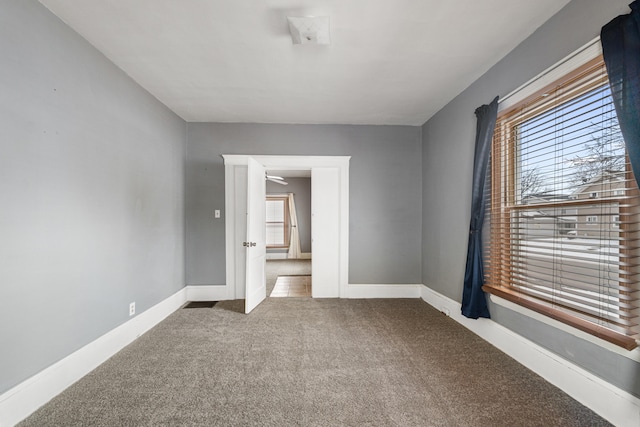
(232, 240)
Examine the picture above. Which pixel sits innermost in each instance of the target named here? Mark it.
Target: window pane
(275, 211)
(275, 235)
(276, 221)
(573, 150)
(564, 210)
(562, 253)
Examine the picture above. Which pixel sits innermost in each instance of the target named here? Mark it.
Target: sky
(569, 139)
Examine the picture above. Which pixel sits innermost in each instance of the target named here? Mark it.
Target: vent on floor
(200, 304)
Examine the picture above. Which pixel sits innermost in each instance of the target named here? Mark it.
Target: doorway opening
(245, 223)
(288, 271)
(288, 278)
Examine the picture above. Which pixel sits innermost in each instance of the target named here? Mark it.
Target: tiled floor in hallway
(287, 267)
(292, 286)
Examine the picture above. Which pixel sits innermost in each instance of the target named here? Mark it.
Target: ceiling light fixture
(309, 29)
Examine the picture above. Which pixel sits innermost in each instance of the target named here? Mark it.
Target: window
(564, 209)
(277, 218)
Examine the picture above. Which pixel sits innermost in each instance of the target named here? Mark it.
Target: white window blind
(277, 229)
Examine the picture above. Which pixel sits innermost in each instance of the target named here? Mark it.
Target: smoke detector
(309, 29)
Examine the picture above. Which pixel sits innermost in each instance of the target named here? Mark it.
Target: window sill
(630, 354)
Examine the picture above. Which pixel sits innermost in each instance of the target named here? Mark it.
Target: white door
(256, 289)
(325, 232)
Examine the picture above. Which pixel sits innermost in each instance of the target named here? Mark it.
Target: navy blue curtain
(474, 302)
(620, 40)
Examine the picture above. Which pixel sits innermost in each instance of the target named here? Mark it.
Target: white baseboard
(285, 255)
(614, 404)
(383, 291)
(606, 345)
(207, 293)
(19, 402)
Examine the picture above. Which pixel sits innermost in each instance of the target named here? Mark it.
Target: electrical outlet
(217, 213)
(132, 309)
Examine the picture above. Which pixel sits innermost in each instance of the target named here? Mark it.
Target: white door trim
(285, 163)
(325, 233)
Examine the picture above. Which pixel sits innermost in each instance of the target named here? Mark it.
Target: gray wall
(301, 189)
(385, 192)
(91, 179)
(448, 140)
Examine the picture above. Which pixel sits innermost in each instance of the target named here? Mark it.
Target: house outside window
(564, 208)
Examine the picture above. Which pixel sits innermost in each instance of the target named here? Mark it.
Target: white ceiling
(390, 61)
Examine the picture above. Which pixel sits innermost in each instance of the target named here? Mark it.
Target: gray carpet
(306, 362)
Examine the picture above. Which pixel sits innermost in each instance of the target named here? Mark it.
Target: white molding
(276, 255)
(229, 230)
(285, 255)
(284, 162)
(207, 293)
(19, 402)
(344, 226)
(610, 402)
(383, 291)
(633, 354)
(576, 59)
